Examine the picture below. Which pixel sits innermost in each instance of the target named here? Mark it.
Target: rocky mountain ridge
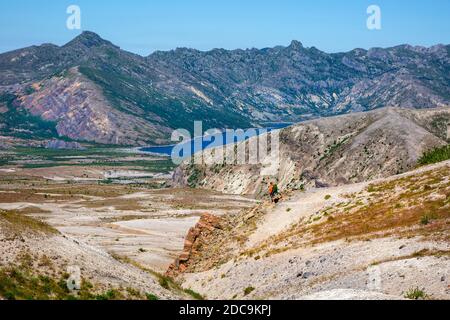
(92, 90)
(331, 151)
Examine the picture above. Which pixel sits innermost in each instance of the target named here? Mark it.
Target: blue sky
(143, 26)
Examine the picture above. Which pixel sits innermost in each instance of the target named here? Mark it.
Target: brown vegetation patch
(418, 254)
(14, 224)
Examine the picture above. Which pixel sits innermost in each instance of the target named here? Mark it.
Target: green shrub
(425, 220)
(416, 294)
(435, 156)
(194, 178)
(248, 290)
(193, 294)
(164, 282)
(109, 295)
(152, 297)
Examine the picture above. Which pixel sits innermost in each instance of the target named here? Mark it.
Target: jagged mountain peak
(89, 39)
(296, 45)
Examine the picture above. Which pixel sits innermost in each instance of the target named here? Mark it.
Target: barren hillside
(332, 151)
(35, 260)
(385, 239)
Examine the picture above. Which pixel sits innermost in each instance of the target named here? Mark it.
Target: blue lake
(206, 142)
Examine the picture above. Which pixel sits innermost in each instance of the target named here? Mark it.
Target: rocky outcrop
(65, 145)
(215, 240)
(194, 241)
(82, 112)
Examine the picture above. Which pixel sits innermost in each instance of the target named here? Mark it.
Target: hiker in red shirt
(271, 191)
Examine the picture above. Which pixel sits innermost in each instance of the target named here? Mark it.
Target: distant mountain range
(91, 90)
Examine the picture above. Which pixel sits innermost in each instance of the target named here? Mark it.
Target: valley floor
(119, 224)
(377, 240)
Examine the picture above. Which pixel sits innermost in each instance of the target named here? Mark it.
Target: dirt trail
(279, 217)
